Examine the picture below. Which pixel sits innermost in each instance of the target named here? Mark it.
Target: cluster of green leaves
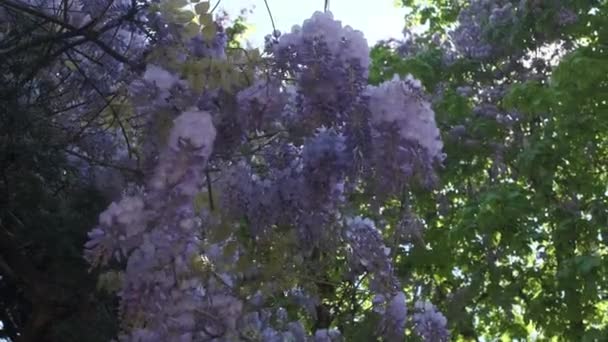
(521, 253)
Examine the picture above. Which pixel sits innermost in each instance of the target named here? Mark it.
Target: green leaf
(172, 5)
(191, 30)
(230, 248)
(70, 65)
(209, 32)
(201, 8)
(205, 19)
(110, 281)
(364, 330)
(183, 17)
(588, 263)
(221, 233)
(200, 201)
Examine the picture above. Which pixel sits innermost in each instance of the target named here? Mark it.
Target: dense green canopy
(515, 245)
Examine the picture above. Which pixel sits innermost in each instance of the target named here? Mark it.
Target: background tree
(61, 122)
(514, 241)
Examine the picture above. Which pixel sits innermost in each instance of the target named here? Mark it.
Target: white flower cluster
(120, 223)
(162, 78)
(399, 101)
(126, 211)
(191, 137)
(196, 128)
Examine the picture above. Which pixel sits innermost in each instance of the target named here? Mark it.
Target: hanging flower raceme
(157, 232)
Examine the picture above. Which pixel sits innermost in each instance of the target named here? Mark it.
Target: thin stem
(215, 6)
(210, 194)
(274, 29)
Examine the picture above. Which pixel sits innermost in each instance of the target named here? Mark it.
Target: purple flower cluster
(469, 36)
(482, 21)
(157, 232)
(429, 323)
(306, 135)
(330, 63)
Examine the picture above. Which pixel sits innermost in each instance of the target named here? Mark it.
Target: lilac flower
(394, 318)
(429, 323)
(400, 101)
(566, 16)
(368, 250)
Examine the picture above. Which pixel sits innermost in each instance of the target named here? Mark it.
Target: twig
(101, 163)
(109, 104)
(209, 193)
(274, 29)
(215, 6)
(90, 35)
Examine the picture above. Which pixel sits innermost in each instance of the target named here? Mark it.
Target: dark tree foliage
(46, 293)
(46, 205)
